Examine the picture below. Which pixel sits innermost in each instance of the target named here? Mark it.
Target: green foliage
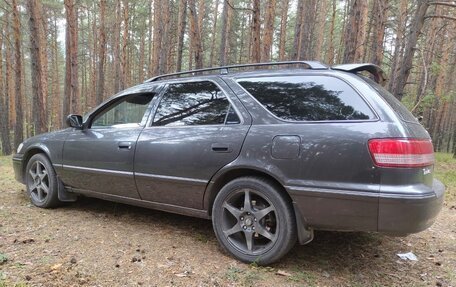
(435, 69)
(304, 276)
(3, 258)
(445, 170)
(233, 273)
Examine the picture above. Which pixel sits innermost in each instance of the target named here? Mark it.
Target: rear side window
(308, 98)
(195, 103)
(394, 103)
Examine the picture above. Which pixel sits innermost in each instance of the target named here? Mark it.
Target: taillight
(401, 152)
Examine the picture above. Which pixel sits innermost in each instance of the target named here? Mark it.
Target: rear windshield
(308, 98)
(395, 104)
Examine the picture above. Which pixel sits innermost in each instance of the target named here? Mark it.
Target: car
(269, 152)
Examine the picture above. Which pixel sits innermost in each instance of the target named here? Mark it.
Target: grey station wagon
(270, 155)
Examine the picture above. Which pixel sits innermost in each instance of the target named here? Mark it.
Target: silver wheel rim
(249, 222)
(38, 183)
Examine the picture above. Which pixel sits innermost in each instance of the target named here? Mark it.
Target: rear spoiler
(376, 71)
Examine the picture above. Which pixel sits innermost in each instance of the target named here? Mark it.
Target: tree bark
(398, 42)
(181, 32)
(355, 32)
(380, 17)
(223, 34)
(102, 54)
(195, 34)
(214, 34)
(268, 31)
(71, 100)
(19, 126)
(330, 52)
(125, 39)
(320, 29)
(409, 51)
(308, 28)
(4, 106)
(116, 46)
(256, 33)
(283, 28)
(38, 60)
(158, 37)
(298, 31)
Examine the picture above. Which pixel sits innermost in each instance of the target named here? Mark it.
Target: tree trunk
(158, 36)
(256, 26)
(380, 14)
(214, 33)
(409, 51)
(71, 100)
(181, 32)
(38, 60)
(355, 32)
(19, 126)
(162, 63)
(330, 52)
(298, 31)
(124, 57)
(4, 106)
(398, 42)
(195, 34)
(102, 54)
(223, 34)
(308, 28)
(268, 31)
(116, 46)
(320, 29)
(283, 28)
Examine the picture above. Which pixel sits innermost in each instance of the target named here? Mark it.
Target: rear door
(197, 129)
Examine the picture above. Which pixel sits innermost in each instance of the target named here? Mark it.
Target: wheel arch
(223, 177)
(31, 151)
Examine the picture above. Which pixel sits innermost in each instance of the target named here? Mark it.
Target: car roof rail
(313, 65)
(374, 70)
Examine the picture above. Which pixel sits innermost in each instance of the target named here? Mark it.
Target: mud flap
(63, 194)
(305, 234)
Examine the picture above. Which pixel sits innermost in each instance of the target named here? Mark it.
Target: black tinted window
(198, 103)
(308, 98)
(394, 103)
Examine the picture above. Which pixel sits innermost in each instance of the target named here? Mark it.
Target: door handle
(124, 145)
(216, 147)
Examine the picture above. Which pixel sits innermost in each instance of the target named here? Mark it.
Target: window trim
(150, 120)
(375, 119)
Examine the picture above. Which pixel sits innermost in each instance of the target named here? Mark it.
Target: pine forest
(59, 57)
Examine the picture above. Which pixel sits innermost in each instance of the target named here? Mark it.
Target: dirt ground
(99, 243)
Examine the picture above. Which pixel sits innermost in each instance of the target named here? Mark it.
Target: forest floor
(99, 243)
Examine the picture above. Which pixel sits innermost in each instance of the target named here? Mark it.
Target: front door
(196, 131)
(99, 158)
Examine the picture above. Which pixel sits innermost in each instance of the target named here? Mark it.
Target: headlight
(20, 147)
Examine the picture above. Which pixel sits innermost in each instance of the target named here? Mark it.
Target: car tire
(41, 182)
(253, 221)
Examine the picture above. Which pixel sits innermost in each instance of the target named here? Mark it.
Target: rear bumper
(401, 214)
(18, 167)
(399, 211)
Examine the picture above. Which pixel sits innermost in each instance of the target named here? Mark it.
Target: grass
(445, 170)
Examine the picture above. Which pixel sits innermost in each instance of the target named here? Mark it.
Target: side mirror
(74, 121)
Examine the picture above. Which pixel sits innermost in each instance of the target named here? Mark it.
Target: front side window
(195, 103)
(127, 112)
(308, 98)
